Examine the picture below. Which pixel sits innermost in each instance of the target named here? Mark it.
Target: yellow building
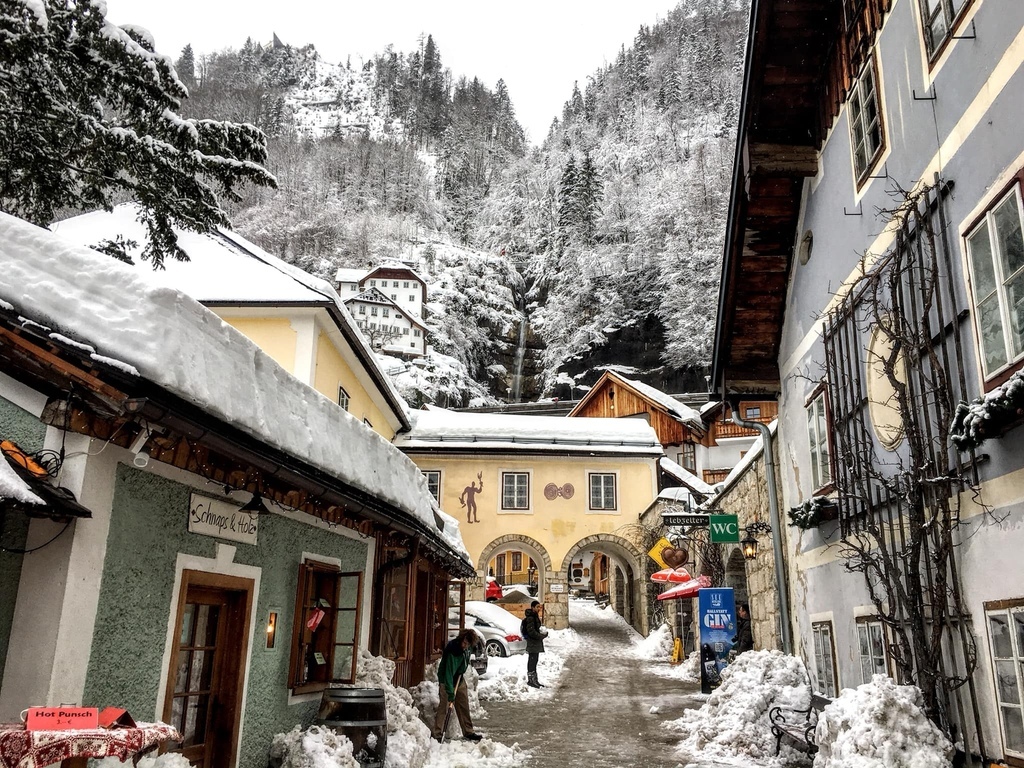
(550, 488)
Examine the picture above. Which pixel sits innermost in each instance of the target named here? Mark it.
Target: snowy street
(609, 707)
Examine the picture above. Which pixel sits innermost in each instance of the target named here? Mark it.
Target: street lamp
(749, 543)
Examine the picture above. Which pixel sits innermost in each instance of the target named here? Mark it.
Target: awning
(689, 589)
(25, 486)
(672, 575)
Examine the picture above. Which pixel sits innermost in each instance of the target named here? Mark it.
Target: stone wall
(747, 498)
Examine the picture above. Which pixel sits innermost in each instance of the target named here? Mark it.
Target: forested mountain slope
(606, 239)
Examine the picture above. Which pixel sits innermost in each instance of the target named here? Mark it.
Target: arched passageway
(608, 567)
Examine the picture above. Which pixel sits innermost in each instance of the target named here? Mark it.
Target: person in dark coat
(744, 640)
(451, 685)
(535, 634)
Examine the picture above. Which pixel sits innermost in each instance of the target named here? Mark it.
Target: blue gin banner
(717, 611)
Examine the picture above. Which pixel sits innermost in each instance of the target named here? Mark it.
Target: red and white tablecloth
(35, 749)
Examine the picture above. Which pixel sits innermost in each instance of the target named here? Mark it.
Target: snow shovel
(451, 708)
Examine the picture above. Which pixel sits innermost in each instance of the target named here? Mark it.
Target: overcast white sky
(538, 46)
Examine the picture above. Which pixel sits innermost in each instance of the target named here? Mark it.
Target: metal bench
(798, 724)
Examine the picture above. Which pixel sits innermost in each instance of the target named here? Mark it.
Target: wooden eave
(788, 47)
(89, 397)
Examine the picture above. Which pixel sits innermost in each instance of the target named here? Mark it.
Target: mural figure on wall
(468, 498)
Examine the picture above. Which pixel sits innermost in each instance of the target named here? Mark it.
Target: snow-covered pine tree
(89, 116)
(186, 67)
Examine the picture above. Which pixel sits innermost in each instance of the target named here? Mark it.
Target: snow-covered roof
(438, 427)
(678, 410)
(685, 476)
(347, 275)
(749, 458)
(675, 494)
(13, 487)
(172, 340)
(224, 269)
(395, 265)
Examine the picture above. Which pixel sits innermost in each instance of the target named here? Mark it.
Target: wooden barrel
(361, 715)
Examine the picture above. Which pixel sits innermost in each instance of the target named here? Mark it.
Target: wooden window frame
(321, 577)
(529, 482)
(517, 562)
(984, 220)
(815, 627)
(688, 454)
(343, 397)
(615, 492)
(870, 163)
(1006, 607)
(954, 21)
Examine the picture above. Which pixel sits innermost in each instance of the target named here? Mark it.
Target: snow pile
(505, 679)
(316, 747)
(166, 760)
(409, 742)
(13, 487)
(879, 725)
(733, 723)
(657, 646)
(987, 415)
(690, 669)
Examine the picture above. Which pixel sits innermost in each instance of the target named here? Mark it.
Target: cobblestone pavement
(600, 716)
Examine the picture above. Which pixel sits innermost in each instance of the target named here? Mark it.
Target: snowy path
(600, 715)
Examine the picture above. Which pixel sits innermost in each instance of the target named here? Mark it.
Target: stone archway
(514, 541)
(627, 594)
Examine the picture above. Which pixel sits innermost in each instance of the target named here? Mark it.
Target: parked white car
(498, 627)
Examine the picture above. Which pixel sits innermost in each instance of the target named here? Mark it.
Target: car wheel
(494, 648)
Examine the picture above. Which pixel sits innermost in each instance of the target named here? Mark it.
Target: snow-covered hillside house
(397, 281)
(872, 281)
(221, 501)
(387, 326)
(548, 487)
(725, 442)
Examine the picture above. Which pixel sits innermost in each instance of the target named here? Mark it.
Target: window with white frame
(373, 311)
(433, 483)
(995, 251)
(387, 312)
(405, 284)
(866, 121)
(818, 435)
(824, 658)
(602, 490)
(515, 490)
(1006, 635)
(343, 398)
(394, 283)
(362, 309)
(373, 282)
(938, 17)
(752, 412)
(394, 297)
(411, 297)
(871, 639)
(416, 332)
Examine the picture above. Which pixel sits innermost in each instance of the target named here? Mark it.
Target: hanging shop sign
(725, 529)
(716, 609)
(671, 518)
(212, 517)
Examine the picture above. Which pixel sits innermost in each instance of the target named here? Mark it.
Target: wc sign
(725, 529)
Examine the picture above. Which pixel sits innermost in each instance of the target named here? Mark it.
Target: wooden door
(204, 688)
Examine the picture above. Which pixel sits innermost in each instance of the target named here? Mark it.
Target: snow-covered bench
(798, 724)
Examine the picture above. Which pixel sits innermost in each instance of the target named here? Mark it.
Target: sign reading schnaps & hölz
(211, 517)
